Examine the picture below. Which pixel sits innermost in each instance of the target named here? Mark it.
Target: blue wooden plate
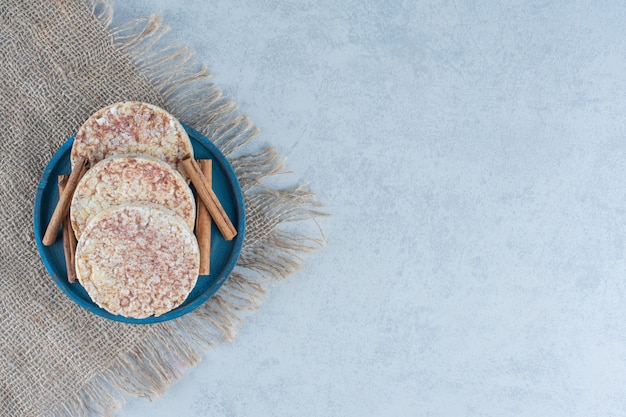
(224, 254)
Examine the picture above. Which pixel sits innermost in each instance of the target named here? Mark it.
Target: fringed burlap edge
(270, 252)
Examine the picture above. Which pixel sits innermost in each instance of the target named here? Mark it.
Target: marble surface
(473, 156)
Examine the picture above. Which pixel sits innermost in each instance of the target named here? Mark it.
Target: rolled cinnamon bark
(63, 206)
(209, 198)
(203, 220)
(69, 239)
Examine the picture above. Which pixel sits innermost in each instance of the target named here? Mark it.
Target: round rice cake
(137, 260)
(130, 179)
(132, 127)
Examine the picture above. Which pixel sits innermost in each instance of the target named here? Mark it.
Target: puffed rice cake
(137, 260)
(132, 127)
(130, 179)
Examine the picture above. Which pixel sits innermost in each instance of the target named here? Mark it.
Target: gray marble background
(472, 155)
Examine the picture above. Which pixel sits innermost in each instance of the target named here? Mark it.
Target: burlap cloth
(60, 61)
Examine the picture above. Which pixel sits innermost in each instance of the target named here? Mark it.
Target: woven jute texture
(59, 62)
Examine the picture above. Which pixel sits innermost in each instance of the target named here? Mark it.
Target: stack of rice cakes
(133, 212)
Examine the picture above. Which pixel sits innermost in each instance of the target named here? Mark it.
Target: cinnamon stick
(209, 198)
(69, 239)
(63, 205)
(203, 220)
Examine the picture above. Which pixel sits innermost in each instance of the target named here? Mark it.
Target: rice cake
(137, 261)
(132, 127)
(130, 179)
